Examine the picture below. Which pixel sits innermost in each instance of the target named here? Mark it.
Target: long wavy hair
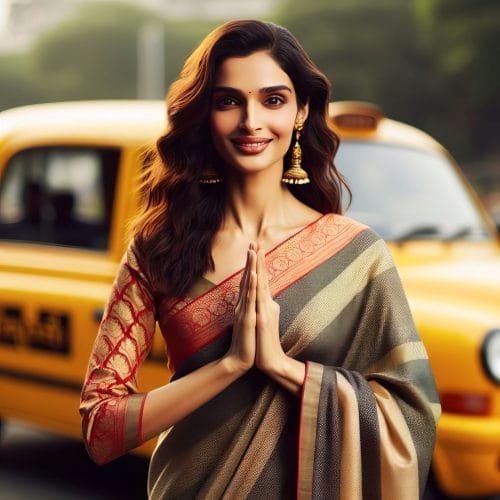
(180, 216)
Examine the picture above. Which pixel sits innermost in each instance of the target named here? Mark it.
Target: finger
(252, 275)
(251, 293)
(249, 281)
(244, 277)
(253, 261)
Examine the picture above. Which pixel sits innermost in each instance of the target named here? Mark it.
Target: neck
(257, 202)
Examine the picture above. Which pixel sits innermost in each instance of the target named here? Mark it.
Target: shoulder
(354, 236)
(132, 264)
(343, 221)
(133, 255)
(342, 225)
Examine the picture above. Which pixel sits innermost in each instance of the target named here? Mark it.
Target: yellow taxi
(407, 187)
(68, 186)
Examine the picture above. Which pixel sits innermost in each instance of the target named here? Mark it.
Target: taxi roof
(139, 122)
(116, 123)
(359, 120)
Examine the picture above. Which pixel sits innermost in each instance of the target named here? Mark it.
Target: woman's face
(253, 113)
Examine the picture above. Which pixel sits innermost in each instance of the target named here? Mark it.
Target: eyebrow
(264, 90)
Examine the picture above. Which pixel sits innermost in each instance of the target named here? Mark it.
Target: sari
(364, 426)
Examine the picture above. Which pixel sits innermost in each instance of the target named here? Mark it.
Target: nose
(250, 117)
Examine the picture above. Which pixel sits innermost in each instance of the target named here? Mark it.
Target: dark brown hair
(180, 216)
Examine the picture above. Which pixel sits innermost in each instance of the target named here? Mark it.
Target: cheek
(219, 129)
(221, 124)
(283, 126)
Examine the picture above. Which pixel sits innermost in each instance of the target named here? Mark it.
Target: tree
(369, 50)
(16, 85)
(465, 36)
(432, 63)
(94, 54)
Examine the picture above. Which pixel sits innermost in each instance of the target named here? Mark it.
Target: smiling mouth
(251, 145)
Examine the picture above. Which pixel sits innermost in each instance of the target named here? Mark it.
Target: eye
(225, 101)
(275, 100)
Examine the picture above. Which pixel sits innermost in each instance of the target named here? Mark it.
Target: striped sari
(364, 426)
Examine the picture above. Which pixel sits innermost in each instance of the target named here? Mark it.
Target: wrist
(233, 366)
(287, 369)
(277, 366)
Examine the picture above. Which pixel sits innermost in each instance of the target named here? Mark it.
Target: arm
(110, 407)
(188, 393)
(370, 407)
(270, 357)
(170, 403)
(115, 417)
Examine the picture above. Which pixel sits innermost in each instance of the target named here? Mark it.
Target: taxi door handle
(98, 314)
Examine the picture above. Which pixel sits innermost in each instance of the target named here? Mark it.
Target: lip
(250, 145)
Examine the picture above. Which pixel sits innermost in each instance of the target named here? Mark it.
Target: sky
(3, 12)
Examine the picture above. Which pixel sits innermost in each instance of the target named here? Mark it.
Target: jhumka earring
(210, 176)
(296, 174)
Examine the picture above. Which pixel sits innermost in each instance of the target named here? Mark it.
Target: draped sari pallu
(364, 426)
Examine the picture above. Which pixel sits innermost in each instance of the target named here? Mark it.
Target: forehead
(253, 72)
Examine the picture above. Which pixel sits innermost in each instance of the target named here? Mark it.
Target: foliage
(369, 50)
(94, 54)
(17, 87)
(432, 63)
(428, 62)
(465, 37)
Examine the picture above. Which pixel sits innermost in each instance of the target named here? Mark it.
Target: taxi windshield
(406, 194)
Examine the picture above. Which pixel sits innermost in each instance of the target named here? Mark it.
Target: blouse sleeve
(110, 406)
(368, 422)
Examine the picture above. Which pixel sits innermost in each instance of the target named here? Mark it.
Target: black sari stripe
(326, 477)
(369, 435)
(293, 299)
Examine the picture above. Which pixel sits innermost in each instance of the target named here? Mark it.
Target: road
(37, 465)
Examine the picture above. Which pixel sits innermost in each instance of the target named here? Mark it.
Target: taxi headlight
(490, 354)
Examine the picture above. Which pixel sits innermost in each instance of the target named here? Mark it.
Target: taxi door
(56, 268)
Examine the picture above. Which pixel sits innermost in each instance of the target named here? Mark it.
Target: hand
(242, 349)
(269, 352)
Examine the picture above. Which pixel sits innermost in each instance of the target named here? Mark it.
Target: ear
(303, 112)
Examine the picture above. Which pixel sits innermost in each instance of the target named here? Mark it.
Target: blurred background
(431, 63)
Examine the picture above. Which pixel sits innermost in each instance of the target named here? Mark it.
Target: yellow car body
(52, 296)
(53, 290)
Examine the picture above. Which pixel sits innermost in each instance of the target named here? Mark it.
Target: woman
(297, 367)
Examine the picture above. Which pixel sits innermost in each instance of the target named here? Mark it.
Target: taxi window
(60, 196)
(405, 193)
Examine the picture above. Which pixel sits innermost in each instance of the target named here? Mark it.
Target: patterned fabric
(198, 321)
(365, 424)
(110, 406)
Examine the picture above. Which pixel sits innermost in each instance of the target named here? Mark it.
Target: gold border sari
(365, 424)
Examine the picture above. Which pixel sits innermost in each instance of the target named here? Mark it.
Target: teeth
(252, 144)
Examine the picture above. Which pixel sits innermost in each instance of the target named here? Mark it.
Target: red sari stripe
(190, 324)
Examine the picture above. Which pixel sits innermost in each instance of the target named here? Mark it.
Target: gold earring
(210, 176)
(296, 174)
